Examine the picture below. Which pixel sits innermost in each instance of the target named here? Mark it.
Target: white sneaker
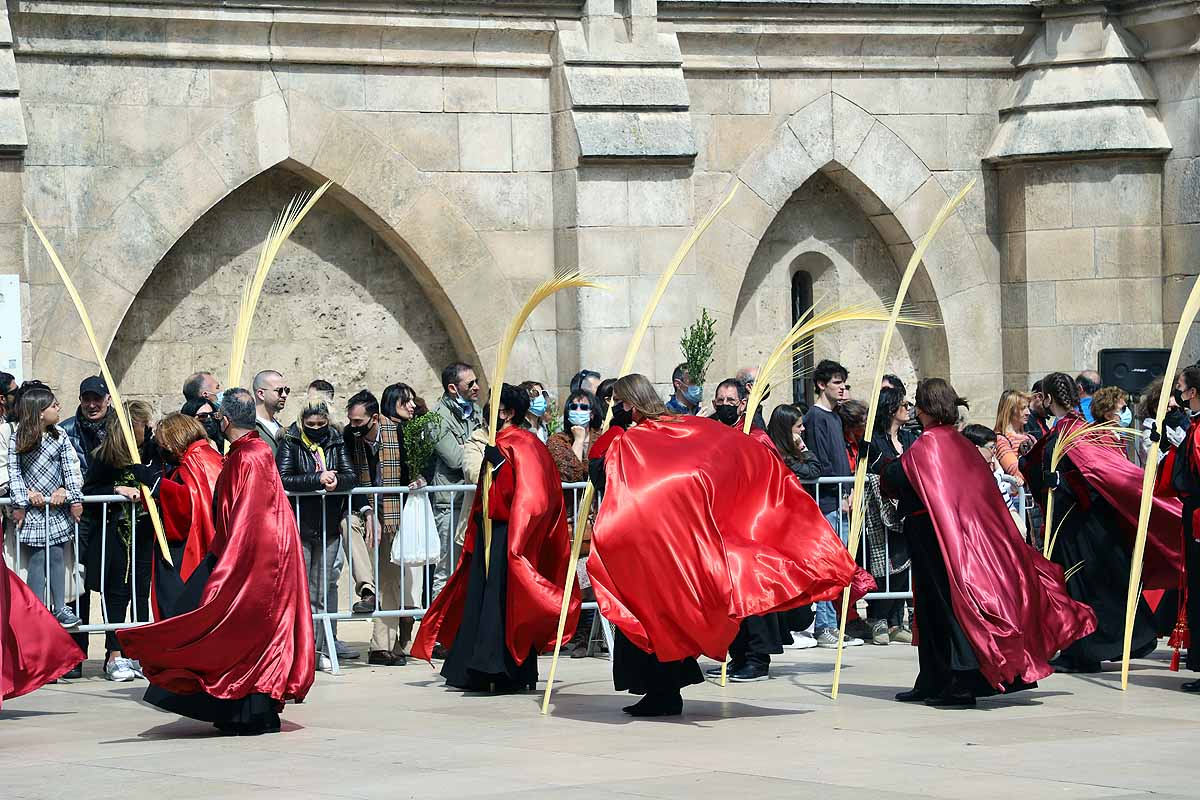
(117, 669)
(324, 664)
(801, 640)
(828, 638)
(136, 666)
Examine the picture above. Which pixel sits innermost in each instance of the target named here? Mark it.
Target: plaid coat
(52, 466)
(393, 471)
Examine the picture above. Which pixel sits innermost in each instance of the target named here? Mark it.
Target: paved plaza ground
(397, 733)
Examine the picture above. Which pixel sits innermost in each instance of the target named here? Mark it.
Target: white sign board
(10, 325)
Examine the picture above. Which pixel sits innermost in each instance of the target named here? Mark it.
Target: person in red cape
(495, 619)
(1097, 494)
(185, 498)
(1183, 470)
(34, 648)
(242, 641)
(990, 610)
(700, 527)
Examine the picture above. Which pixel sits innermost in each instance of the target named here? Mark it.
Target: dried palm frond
(589, 493)
(117, 404)
(1072, 572)
(799, 340)
(284, 224)
(860, 474)
(1052, 539)
(563, 279)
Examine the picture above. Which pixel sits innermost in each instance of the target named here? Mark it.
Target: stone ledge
(1100, 131)
(623, 135)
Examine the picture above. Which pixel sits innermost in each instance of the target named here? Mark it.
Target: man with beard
(1039, 413)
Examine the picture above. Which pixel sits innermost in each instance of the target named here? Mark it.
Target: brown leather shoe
(382, 658)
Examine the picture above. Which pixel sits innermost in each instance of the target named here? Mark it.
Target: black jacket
(297, 470)
(83, 438)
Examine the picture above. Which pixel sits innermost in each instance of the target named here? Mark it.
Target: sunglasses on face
(471, 384)
(907, 405)
(578, 407)
(282, 390)
(204, 416)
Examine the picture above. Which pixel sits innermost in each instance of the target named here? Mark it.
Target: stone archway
(436, 241)
(900, 196)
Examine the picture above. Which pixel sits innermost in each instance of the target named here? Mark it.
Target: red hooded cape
(702, 526)
(1010, 602)
(1119, 482)
(527, 493)
(34, 648)
(252, 632)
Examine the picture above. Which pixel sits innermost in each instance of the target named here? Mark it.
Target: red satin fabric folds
(1010, 602)
(527, 494)
(34, 648)
(252, 632)
(1119, 482)
(700, 527)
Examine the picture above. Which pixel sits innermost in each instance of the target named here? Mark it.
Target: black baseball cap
(93, 385)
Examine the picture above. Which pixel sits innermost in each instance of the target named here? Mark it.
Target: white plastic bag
(416, 543)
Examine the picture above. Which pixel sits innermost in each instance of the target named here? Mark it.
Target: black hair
(889, 403)
(604, 395)
(320, 385)
(827, 370)
(237, 406)
(593, 403)
(1037, 387)
(6, 380)
(191, 407)
(895, 381)
(1086, 384)
(191, 387)
(580, 377)
(783, 419)
(516, 400)
(1191, 377)
(452, 371)
(979, 435)
(393, 395)
(365, 399)
(1060, 388)
(742, 391)
(679, 373)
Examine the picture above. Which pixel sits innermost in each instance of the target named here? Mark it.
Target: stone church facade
(475, 146)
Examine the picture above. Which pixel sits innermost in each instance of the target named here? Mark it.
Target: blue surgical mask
(1126, 417)
(537, 406)
(580, 418)
(465, 405)
(693, 393)
(216, 401)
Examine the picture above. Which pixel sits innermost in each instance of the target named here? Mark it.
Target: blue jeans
(826, 611)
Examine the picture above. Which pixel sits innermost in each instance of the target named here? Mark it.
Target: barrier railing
(415, 584)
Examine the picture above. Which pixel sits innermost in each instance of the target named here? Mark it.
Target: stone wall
(338, 305)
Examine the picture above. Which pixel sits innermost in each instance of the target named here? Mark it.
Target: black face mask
(212, 429)
(727, 415)
(357, 431)
(620, 417)
(1178, 395)
(317, 435)
(1176, 418)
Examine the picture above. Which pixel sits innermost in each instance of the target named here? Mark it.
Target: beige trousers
(389, 634)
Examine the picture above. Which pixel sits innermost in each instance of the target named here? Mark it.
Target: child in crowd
(984, 438)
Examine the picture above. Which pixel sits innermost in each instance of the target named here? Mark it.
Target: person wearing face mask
(729, 402)
(1182, 467)
(699, 527)
(241, 643)
(686, 395)
(202, 386)
(312, 457)
(460, 418)
(1097, 494)
(571, 448)
(497, 613)
(209, 418)
(538, 403)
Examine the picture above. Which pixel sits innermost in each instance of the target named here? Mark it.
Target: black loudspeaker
(1133, 368)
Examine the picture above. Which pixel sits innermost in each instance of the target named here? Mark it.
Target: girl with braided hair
(1096, 496)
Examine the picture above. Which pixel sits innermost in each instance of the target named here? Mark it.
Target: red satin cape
(187, 509)
(527, 493)
(1010, 602)
(702, 526)
(34, 648)
(1119, 482)
(252, 632)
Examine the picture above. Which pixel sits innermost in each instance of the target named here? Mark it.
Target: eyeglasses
(281, 390)
(471, 384)
(204, 416)
(578, 407)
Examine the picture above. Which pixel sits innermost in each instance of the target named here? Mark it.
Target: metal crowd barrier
(325, 615)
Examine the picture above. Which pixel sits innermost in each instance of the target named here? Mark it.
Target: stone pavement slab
(398, 733)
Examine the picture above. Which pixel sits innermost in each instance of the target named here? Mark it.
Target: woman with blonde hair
(1012, 442)
(700, 527)
(191, 467)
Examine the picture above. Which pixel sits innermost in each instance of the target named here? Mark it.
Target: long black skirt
(948, 665)
(479, 659)
(254, 713)
(638, 672)
(1092, 539)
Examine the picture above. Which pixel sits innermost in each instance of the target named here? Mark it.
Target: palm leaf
(117, 404)
(282, 228)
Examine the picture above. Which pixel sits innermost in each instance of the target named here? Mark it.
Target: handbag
(416, 543)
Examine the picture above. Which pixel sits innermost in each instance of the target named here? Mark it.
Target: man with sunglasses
(1038, 424)
(270, 396)
(460, 417)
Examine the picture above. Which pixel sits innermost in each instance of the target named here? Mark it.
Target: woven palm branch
(117, 404)
(283, 227)
(589, 493)
(860, 474)
(563, 279)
